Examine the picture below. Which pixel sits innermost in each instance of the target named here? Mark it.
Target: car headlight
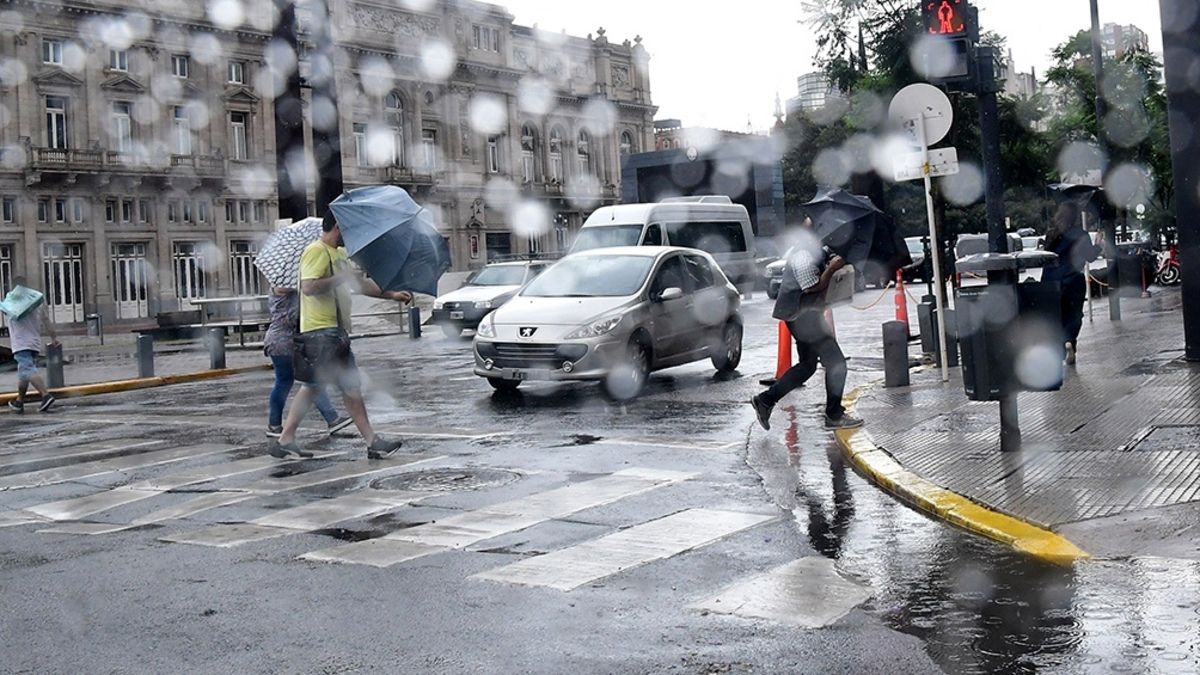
(487, 327)
(438, 304)
(595, 329)
(485, 304)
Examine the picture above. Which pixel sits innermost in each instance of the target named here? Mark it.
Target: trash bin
(95, 325)
(1135, 267)
(1010, 335)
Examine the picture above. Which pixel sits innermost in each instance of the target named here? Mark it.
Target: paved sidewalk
(1112, 461)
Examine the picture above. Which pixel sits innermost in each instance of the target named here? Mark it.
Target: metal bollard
(216, 348)
(927, 328)
(414, 322)
(54, 366)
(895, 354)
(145, 355)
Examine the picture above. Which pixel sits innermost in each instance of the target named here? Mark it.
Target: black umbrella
(845, 222)
(1090, 198)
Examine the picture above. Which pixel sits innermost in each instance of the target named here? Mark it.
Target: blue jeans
(284, 379)
(26, 364)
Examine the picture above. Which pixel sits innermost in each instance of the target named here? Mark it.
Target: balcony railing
(67, 159)
(76, 160)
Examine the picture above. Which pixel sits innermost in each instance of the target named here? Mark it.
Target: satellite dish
(923, 102)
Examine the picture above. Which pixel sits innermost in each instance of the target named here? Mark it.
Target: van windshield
(607, 236)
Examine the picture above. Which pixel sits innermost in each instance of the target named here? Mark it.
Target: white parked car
(613, 315)
(484, 291)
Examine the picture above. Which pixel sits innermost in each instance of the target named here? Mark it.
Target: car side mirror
(672, 293)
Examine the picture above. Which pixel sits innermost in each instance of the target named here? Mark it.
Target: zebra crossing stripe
(572, 567)
(63, 474)
(304, 518)
(475, 526)
(807, 592)
(74, 451)
(89, 505)
(188, 508)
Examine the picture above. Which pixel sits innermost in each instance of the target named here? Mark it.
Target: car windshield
(592, 276)
(607, 236)
(506, 275)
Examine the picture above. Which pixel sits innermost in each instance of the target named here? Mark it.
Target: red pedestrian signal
(945, 17)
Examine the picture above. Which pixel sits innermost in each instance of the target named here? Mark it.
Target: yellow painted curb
(883, 469)
(78, 390)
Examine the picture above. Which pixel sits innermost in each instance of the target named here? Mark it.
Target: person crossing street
(25, 335)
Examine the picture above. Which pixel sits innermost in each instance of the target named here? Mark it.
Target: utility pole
(327, 142)
(1110, 228)
(290, 178)
(1180, 22)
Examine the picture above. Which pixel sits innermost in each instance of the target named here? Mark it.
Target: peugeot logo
(528, 331)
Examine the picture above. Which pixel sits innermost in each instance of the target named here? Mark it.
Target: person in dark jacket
(801, 305)
(1074, 248)
(278, 345)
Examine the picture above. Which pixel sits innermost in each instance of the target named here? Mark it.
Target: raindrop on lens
(488, 116)
(226, 14)
(965, 187)
(438, 60)
(530, 219)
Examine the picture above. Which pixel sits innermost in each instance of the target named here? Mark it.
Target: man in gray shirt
(25, 335)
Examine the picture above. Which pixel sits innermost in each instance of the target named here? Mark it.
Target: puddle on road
(980, 607)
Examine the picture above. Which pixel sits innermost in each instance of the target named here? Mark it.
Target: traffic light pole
(291, 181)
(327, 142)
(1180, 24)
(1110, 228)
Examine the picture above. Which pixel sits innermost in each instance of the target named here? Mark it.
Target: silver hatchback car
(613, 315)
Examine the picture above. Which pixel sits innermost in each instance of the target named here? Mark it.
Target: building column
(101, 273)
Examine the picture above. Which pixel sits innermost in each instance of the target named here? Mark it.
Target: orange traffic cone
(901, 301)
(783, 359)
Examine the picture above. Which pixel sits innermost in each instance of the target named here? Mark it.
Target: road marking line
(492, 521)
(191, 507)
(673, 446)
(76, 450)
(303, 518)
(572, 567)
(807, 592)
(62, 474)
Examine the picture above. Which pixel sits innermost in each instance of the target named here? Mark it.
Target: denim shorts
(26, 364)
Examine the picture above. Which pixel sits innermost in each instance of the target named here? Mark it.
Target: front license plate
(520, 375)
(456, 315)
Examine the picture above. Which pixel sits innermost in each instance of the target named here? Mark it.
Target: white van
(713, 224)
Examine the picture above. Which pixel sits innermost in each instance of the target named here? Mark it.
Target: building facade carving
(136, 179)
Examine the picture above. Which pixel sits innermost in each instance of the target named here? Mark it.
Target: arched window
(626, 143)
(393, 117)
(583, 153)
(528, 153)
(556, 157)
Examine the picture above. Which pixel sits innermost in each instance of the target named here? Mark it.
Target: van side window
(653, 236)
(700, 272)
(713, 237)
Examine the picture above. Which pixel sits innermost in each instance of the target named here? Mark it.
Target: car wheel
(628, 378)
(452, 330)
(503, 385)
(726, 354)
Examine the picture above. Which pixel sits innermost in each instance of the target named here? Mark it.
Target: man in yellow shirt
(322, 355)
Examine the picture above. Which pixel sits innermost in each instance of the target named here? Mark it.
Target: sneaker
(274, 432)
(1070, 354)
(339, 424)
(381, 448)
(47, 402)
(846, 421)
(285, 450)
(763, 412)
(16, 406)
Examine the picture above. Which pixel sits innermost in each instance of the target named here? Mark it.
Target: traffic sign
(927, 103)
(913, 166)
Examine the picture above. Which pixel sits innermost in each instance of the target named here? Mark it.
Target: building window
(202, 211)
(126, 210)
(122, 124)
(77, 210)
(236, 73)
(528, 150)
(130, 279)
(556, 158)
(52, 52)
(110, 210)
(60, 210)
(493, 154)
(583, 153)
(360, 144)
(260, 212)
(190, 279)
(181, 65)
(238, 123)
(56, 122)
(144, 210)
(487, 38)
(187, 211)
(246, 279)
(393, 116)
(429, 148)
(243, 212)
(626, 143)
(182, 126)
(172, 211)
(230, 217)
(118, 60)
(10, 209)
(43, 209)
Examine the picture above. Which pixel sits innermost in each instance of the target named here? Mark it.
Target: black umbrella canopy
(845, 222)
(1091, 198)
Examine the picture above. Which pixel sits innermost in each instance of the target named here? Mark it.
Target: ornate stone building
(137, 150)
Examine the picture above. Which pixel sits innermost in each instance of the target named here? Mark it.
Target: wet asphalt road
(130, 602)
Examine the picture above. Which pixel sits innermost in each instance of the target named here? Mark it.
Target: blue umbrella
(392, 238)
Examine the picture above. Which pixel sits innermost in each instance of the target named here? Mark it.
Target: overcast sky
(720, 64)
